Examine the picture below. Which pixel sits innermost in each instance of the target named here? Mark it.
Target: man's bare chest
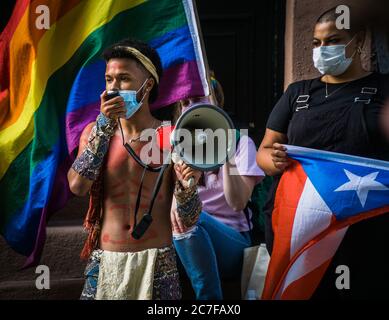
(123, 175)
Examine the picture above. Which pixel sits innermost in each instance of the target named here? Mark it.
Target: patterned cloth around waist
(166, 284)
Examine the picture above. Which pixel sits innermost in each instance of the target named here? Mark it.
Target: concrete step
(64, 242)
(65, 239)
(60, 254)
(60, 289)
(70, 289)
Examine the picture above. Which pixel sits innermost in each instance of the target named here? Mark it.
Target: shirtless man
(102, 159)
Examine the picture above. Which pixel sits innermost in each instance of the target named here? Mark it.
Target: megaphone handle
(191, 182)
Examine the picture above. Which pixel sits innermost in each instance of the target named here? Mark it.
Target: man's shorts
(166, 284)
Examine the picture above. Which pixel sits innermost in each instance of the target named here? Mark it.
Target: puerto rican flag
(319, 196)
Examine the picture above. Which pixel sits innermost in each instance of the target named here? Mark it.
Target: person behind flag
(120, 265)
(338, 111)
(212, 249)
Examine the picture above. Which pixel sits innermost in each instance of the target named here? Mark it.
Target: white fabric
(255, 263)
(312, 217)
(126, 275)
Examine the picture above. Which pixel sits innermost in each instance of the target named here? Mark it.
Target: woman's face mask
(131, 103)
(332, 60)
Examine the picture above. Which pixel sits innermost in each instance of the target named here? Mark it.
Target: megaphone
(204, 137)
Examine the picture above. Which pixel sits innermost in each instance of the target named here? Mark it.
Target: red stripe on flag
(5, 38)
(303, 288)
(308, 287)
(28, 40)
(288, 194)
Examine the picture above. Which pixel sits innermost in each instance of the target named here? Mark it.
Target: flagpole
(202, 46)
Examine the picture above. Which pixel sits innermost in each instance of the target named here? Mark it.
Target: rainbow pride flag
(50, 82)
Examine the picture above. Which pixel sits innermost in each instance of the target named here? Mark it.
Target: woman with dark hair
(338, 111)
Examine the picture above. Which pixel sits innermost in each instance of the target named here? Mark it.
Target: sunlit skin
(122, 174)
(120, 199)
(271, 155)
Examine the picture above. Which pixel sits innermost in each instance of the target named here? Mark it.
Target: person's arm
(78, 184)
(271, 155)
(94, 143)
(237, 188)
(189, 205)
(177, 225)
(241, 174)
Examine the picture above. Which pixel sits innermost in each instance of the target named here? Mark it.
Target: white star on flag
(362, 185)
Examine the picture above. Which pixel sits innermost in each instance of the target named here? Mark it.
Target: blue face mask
(130, 101)
(332, 60)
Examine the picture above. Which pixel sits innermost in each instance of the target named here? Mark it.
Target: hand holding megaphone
(201, 140)
(185, 174)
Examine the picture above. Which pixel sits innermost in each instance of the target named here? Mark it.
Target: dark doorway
(244, 43)
(5, 12)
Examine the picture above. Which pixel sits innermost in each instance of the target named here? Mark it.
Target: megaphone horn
(203, 137)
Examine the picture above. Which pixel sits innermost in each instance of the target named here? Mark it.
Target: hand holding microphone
(112, 105)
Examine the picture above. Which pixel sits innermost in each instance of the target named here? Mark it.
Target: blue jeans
(209, 252)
